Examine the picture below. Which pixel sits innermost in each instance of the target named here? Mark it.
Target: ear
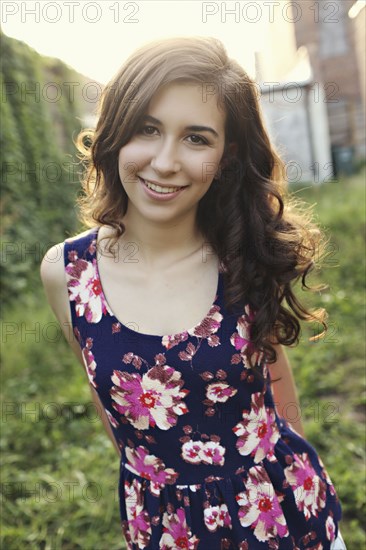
(230, 151)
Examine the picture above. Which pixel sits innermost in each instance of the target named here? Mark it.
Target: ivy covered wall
(41, 115)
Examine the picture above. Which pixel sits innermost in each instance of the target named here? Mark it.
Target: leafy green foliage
(39, 175)
(59, 469)
(330, 372)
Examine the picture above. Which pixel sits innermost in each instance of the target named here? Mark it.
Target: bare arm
(54, 284)
(284, 390)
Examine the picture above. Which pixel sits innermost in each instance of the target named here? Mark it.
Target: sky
(96, 37)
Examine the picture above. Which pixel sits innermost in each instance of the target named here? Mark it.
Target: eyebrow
(193, 128)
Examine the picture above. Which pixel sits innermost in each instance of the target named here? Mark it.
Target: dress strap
(77, 248)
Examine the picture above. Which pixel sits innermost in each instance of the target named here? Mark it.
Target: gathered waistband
(191, 486)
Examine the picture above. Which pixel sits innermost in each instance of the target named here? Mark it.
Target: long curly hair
(264, 237)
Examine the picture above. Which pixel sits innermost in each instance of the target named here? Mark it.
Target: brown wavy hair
(265, 239)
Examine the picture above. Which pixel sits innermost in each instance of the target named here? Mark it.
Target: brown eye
(148, 130)
(198, 140)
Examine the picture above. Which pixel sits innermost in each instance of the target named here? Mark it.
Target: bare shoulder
(52, 273)
(53, 277)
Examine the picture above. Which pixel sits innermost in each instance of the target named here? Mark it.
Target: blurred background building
(312, 82)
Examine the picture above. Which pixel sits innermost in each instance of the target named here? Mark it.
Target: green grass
(330, 372)
(59, 469)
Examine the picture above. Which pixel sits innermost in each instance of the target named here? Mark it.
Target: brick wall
(328, 32)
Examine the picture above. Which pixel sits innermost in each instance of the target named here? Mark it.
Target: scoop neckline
(111, 313)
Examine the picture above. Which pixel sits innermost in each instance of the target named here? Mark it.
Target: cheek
(126, 166)
(132, 157)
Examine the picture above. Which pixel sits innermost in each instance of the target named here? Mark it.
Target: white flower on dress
(241, 339)
(257, 432)
(138, 517)
(217, 516)
(154, 399)
(85, 289)
(196, 452)
(150, 467)
(111, 419)
(220, 392)
(309, 490)
(177, 533)
(330, 528)
(191, 451)
(260, 507)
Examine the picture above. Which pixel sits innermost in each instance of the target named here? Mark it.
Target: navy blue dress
(207, 463)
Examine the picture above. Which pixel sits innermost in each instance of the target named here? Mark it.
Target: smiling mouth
(163, 189)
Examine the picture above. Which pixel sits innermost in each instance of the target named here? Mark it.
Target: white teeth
(160, 189)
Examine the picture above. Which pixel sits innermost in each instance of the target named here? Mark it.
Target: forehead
(193, 101)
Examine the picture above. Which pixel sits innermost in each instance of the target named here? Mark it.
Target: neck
(159, 245)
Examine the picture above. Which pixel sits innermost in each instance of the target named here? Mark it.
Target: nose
(165, 160)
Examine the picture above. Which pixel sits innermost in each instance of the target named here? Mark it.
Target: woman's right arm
(52, 272)
(285, 391)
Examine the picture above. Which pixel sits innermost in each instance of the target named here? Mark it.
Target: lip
(160, 196)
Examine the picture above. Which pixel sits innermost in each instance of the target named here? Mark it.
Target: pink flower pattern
(257, 432)
(326, 477)
(198, 452)
(260, 507)
(154, 399)
(204, 330)
(220, 392)
(150, 467)
(330, 528)
(85, 289)
(111, 419)
(241, 339)
(177, 534)
(89, 361)
(138, 517)
(217, 516)
(309, 490)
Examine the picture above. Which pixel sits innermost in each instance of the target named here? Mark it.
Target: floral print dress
(207, 463)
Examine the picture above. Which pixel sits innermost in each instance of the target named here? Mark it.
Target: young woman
(181, 320)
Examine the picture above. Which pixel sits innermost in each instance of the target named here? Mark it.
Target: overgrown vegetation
(40, 115)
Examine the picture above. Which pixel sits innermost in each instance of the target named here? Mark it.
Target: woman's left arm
(284, 390)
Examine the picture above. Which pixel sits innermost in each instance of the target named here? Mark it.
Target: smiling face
(179, 144)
